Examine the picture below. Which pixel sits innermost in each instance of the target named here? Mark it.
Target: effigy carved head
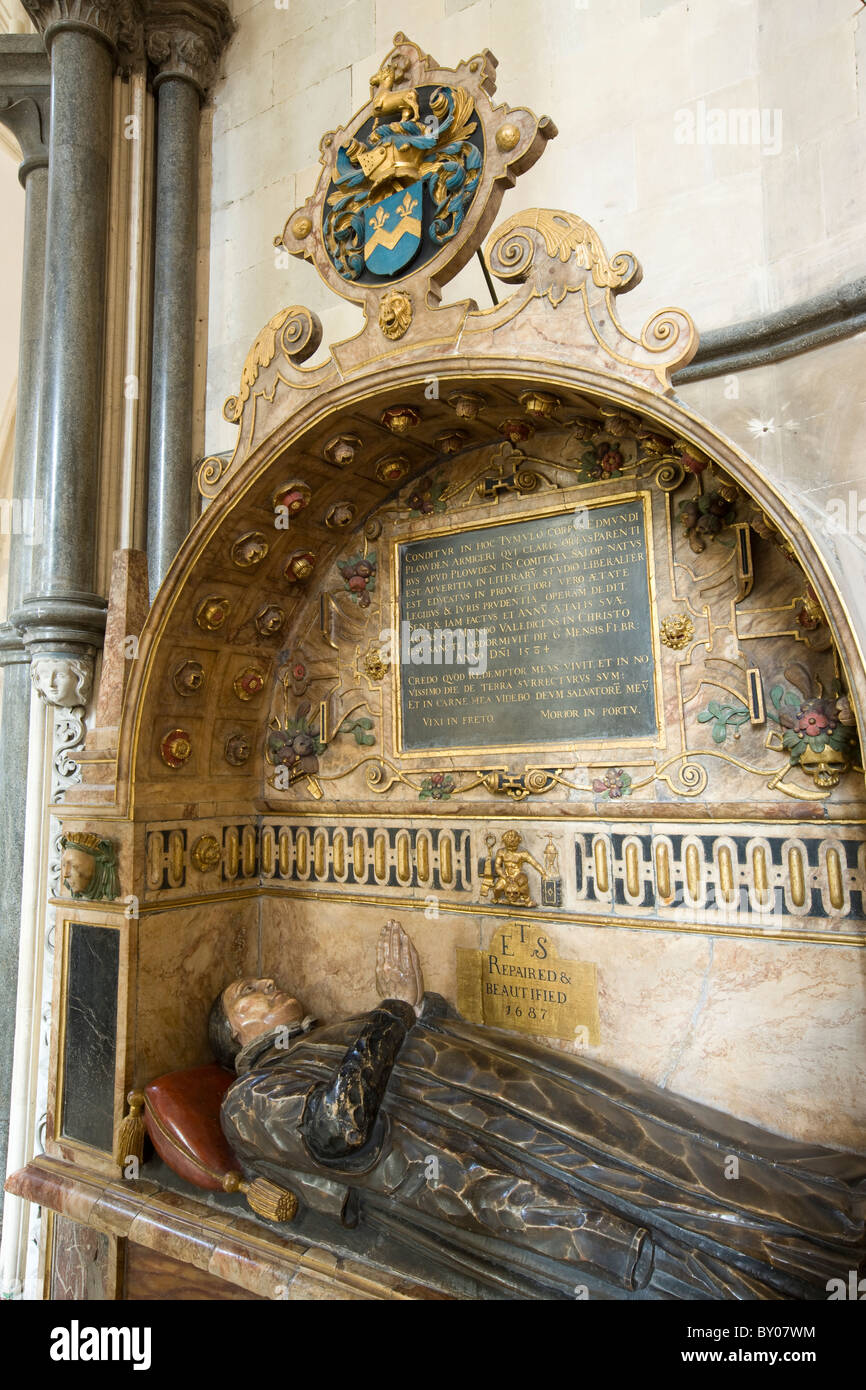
(245, 1010)
(88, 867)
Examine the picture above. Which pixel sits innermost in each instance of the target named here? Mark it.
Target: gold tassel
(265, 1198)
(130, 1136)
(272, 1202)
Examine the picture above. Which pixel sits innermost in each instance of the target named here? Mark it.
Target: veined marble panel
(79, 1262)
(771, 1031)
(185, 957)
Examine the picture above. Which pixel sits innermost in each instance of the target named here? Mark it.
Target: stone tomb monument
(484, 633)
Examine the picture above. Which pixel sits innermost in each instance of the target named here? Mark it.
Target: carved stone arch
(286, 451)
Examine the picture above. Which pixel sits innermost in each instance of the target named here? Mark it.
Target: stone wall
(11, 250)
(726, 230)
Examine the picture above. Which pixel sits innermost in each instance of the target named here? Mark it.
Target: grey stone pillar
(24, 87)
(62, 614)
(24, 98)
(183, 43)
(171, 387)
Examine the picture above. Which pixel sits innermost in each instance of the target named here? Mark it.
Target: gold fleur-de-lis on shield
(379, 219)
(408, 206)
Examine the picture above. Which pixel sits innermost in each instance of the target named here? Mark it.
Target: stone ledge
(226, 1245)
(838, 313)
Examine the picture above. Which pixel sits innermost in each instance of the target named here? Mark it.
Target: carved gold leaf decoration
(375, 667)
(511, 249)
(566, 235)
(206, 853)
(462, 126)
(261, 354)
(300, 334)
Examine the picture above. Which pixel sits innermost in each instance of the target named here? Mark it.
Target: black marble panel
(91, 1029)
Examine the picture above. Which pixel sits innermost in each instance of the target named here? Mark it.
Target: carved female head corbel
(62, 680)
(88, 868)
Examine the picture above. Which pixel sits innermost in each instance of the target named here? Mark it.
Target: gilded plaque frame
(554, 749)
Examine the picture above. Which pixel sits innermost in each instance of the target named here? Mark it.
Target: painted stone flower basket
(704, 518)
(295, 745)
(819, 733)
(359, 577)
(600, 461)
(437, 787)
(426, 497)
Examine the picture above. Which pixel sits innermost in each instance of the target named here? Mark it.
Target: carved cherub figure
(510, 882)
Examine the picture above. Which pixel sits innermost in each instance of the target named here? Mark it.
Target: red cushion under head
(182, 1114)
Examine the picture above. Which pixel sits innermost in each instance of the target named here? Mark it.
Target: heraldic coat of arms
(411, 184)
(402, 186)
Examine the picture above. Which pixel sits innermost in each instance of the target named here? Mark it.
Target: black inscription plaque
(528, 632)
(91, 1027)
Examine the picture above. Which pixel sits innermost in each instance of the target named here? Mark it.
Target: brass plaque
(519, 983)
(528, 632)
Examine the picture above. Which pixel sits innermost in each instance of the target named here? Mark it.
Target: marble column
(24, 99)
(183, 43)
(62, 613)
(171, 390)
(24, 94)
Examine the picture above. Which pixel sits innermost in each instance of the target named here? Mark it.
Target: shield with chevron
(392, 230)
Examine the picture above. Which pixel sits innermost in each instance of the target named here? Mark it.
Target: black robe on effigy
(492, 1154)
